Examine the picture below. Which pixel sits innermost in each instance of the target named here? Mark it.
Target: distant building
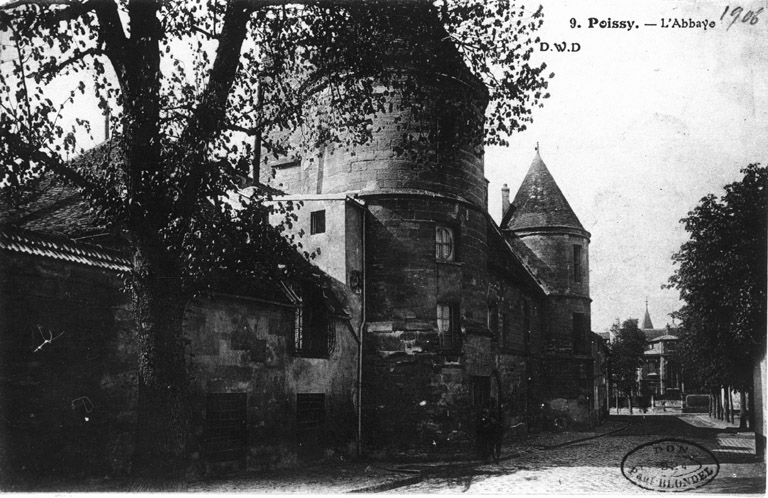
(661, 371)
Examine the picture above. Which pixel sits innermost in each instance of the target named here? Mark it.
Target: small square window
(317, 222)
(445, 248)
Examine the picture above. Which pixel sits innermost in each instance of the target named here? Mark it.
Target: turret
(541, 218)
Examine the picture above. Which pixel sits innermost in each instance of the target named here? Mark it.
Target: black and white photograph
(491, 247)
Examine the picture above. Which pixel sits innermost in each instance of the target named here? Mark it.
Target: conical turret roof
(647, 323)
(540, 203)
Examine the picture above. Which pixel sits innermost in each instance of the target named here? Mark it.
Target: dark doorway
(310, 425)
(225, 437)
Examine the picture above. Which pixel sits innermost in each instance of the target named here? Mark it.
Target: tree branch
(20, 3)
(112, 35)
(28, 151)
(54, 67)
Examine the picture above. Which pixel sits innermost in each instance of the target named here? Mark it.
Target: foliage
(626, 354)
(192, 86)
(721, 276)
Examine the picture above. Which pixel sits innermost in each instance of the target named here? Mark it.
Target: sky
(640, 125)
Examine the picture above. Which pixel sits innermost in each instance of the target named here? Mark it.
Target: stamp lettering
(670, 465)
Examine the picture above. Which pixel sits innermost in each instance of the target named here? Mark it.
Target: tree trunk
(726, 392)
(744, 410)
(163, 407)
(720, 408)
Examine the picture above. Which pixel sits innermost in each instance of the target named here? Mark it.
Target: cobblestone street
(594, 466)
(565, 463)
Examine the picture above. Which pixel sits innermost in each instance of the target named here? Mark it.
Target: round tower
(422, 183)
(555, 246)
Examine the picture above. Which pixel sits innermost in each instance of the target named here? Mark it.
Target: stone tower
(422, 183)
(543, 228)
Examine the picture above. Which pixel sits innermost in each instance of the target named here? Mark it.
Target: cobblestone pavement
(563, 463)
(594, 466)
(323, 479)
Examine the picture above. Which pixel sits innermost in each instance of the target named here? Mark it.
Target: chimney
(504, 200)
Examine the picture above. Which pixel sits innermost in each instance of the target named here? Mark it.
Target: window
(314, 333)
(580, 329)
(444, 243)
(448, 326)
(310, 410)
(481, 391)
(225, 431)
(526, 327)
(317, 222)
(506, 335)
(493, 321)
(576, 263)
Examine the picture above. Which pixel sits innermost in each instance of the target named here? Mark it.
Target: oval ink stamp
(670, 465)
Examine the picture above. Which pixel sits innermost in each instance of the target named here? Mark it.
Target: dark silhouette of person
(490, 431)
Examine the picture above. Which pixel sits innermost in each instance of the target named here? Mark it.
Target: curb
(387, 486)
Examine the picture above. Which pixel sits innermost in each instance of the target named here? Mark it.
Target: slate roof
(647, 323)
(63, 249)
(539, 202)
(54, 208)
(653, 334)
(665, 337)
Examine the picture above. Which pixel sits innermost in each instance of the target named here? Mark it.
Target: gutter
(360, 342)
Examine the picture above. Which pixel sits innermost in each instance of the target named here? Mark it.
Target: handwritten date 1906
(738, 14)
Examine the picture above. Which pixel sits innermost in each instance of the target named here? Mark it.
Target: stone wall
(245, 346)
(67, 407)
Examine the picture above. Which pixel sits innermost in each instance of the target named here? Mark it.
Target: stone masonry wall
(405, 151)
(245, 346)
(67, 407)
(415, 397)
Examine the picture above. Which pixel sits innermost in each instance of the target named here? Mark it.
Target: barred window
(314, 325)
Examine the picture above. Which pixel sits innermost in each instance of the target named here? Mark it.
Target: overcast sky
(640, 125)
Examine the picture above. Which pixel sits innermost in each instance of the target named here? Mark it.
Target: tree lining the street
(626, 356)
(721, 276)
(258, 68)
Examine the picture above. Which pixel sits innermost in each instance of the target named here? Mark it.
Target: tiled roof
(62, 249)
(540, 203)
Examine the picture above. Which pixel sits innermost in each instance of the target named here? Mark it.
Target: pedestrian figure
(490, 432)
(663, 406)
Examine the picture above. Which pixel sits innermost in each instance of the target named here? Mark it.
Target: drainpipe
(360, 333)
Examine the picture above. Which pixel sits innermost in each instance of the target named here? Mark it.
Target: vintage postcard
(390, 246)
